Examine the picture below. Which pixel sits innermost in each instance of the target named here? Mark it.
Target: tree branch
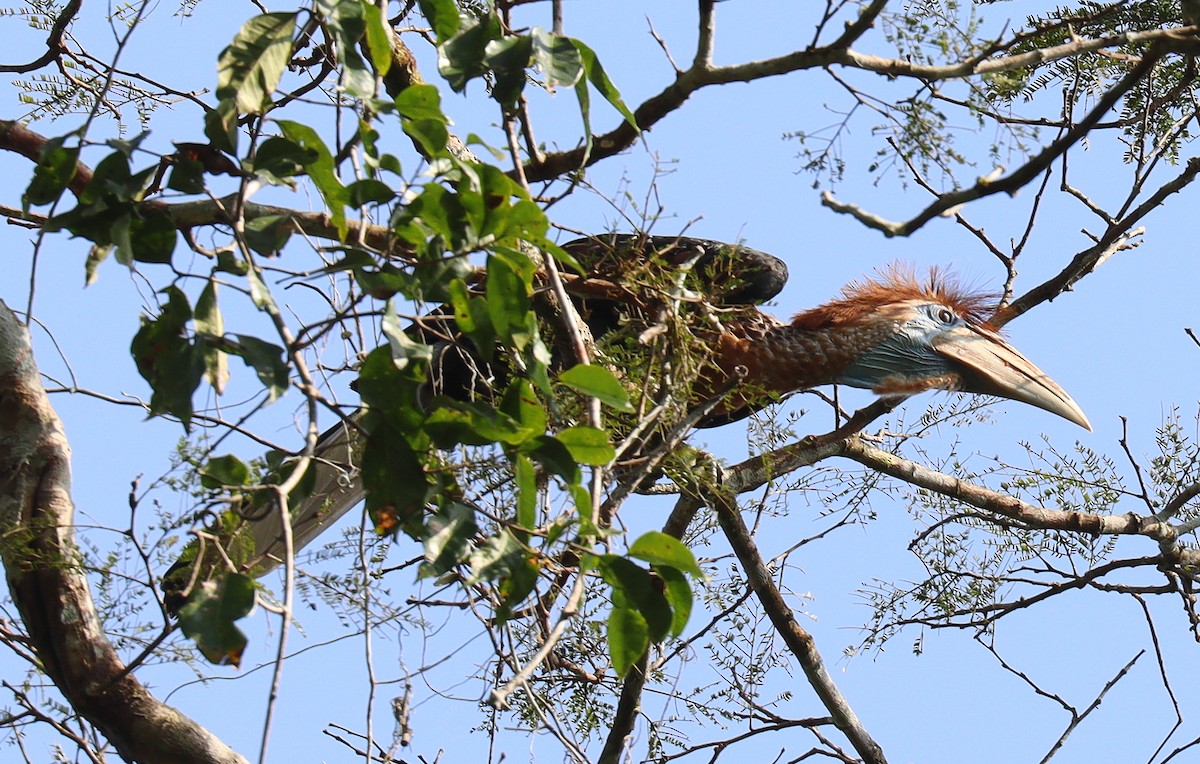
(48, 584)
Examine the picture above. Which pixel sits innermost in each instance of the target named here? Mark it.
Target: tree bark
(47, 581)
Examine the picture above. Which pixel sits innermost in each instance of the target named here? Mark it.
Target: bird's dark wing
(726, 274)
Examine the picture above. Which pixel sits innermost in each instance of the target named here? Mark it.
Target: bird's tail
(336, 488)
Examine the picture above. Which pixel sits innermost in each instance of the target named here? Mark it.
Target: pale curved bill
(993, 367)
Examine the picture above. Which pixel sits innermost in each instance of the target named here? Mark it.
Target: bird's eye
(945, 315)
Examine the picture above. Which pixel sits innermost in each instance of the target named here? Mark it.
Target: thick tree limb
(47, 581)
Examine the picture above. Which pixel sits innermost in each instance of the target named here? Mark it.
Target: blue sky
(1116, 344)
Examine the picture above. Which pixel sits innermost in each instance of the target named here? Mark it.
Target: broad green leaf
(420, 107)
(508, 58)
(151, 236)
(628, 638)
(268, 234)
(267, 361)
(442, 15)
(462, 422)
(554, 457)
(321, 170)
(187, 176)
(587, 445)
(54, 171)
(557, 57)
(345, 20)
(516, 586)
(658, 548)
(449, 541)
(522, 404)
(209, 322)
(221, 471)
(259, 294)
(461, 57)
(405, 349)
(210, 614)
(221, 126)
(248, 71)
(599, 79)
(167, 359)
(394, 479)
(278, 159)
(679, 595)
(507, 297)
(525, 478)
(635, 585)
(379, 38)
(495, 558)
(599, 383)
(369, 191)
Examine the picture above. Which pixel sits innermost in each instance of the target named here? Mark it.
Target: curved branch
(1019, 178)
(48, 584)
(54, 42)
(1129, 524)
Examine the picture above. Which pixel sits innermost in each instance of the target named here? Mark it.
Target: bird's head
(912, 335)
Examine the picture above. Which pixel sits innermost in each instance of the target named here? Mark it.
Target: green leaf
(587, 445)
(369, 191)
(209, 322)
(345, 20)
(516, 586)
(507, 297)
(462, 422)
(222, 471)
(379, 38)
(508, 58)
(321, 170)
(554, 457)
(405, 349)
(221, 126)
(658, 548)
(634, 584)
(557, 57)
(267, 360)
(461, 57)
(522, 404)
(167, 359)
(210, 614)
(679, 596)
(54, 171)
(600, 81)
(442, 15)
(420, 108)
(248, 71)
(269, 234)
(628, 638)
(187, 176)
(278, 159)
(599, 383)
(495, 558)
(525, 478)
(151, 236)
(259, 294)
(450, 540)
(394, 478)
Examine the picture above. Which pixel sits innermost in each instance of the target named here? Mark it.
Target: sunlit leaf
(248, 71)
(661, 549)
(210, 615)
(599, 383)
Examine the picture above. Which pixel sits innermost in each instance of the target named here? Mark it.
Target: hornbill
(895, 334)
